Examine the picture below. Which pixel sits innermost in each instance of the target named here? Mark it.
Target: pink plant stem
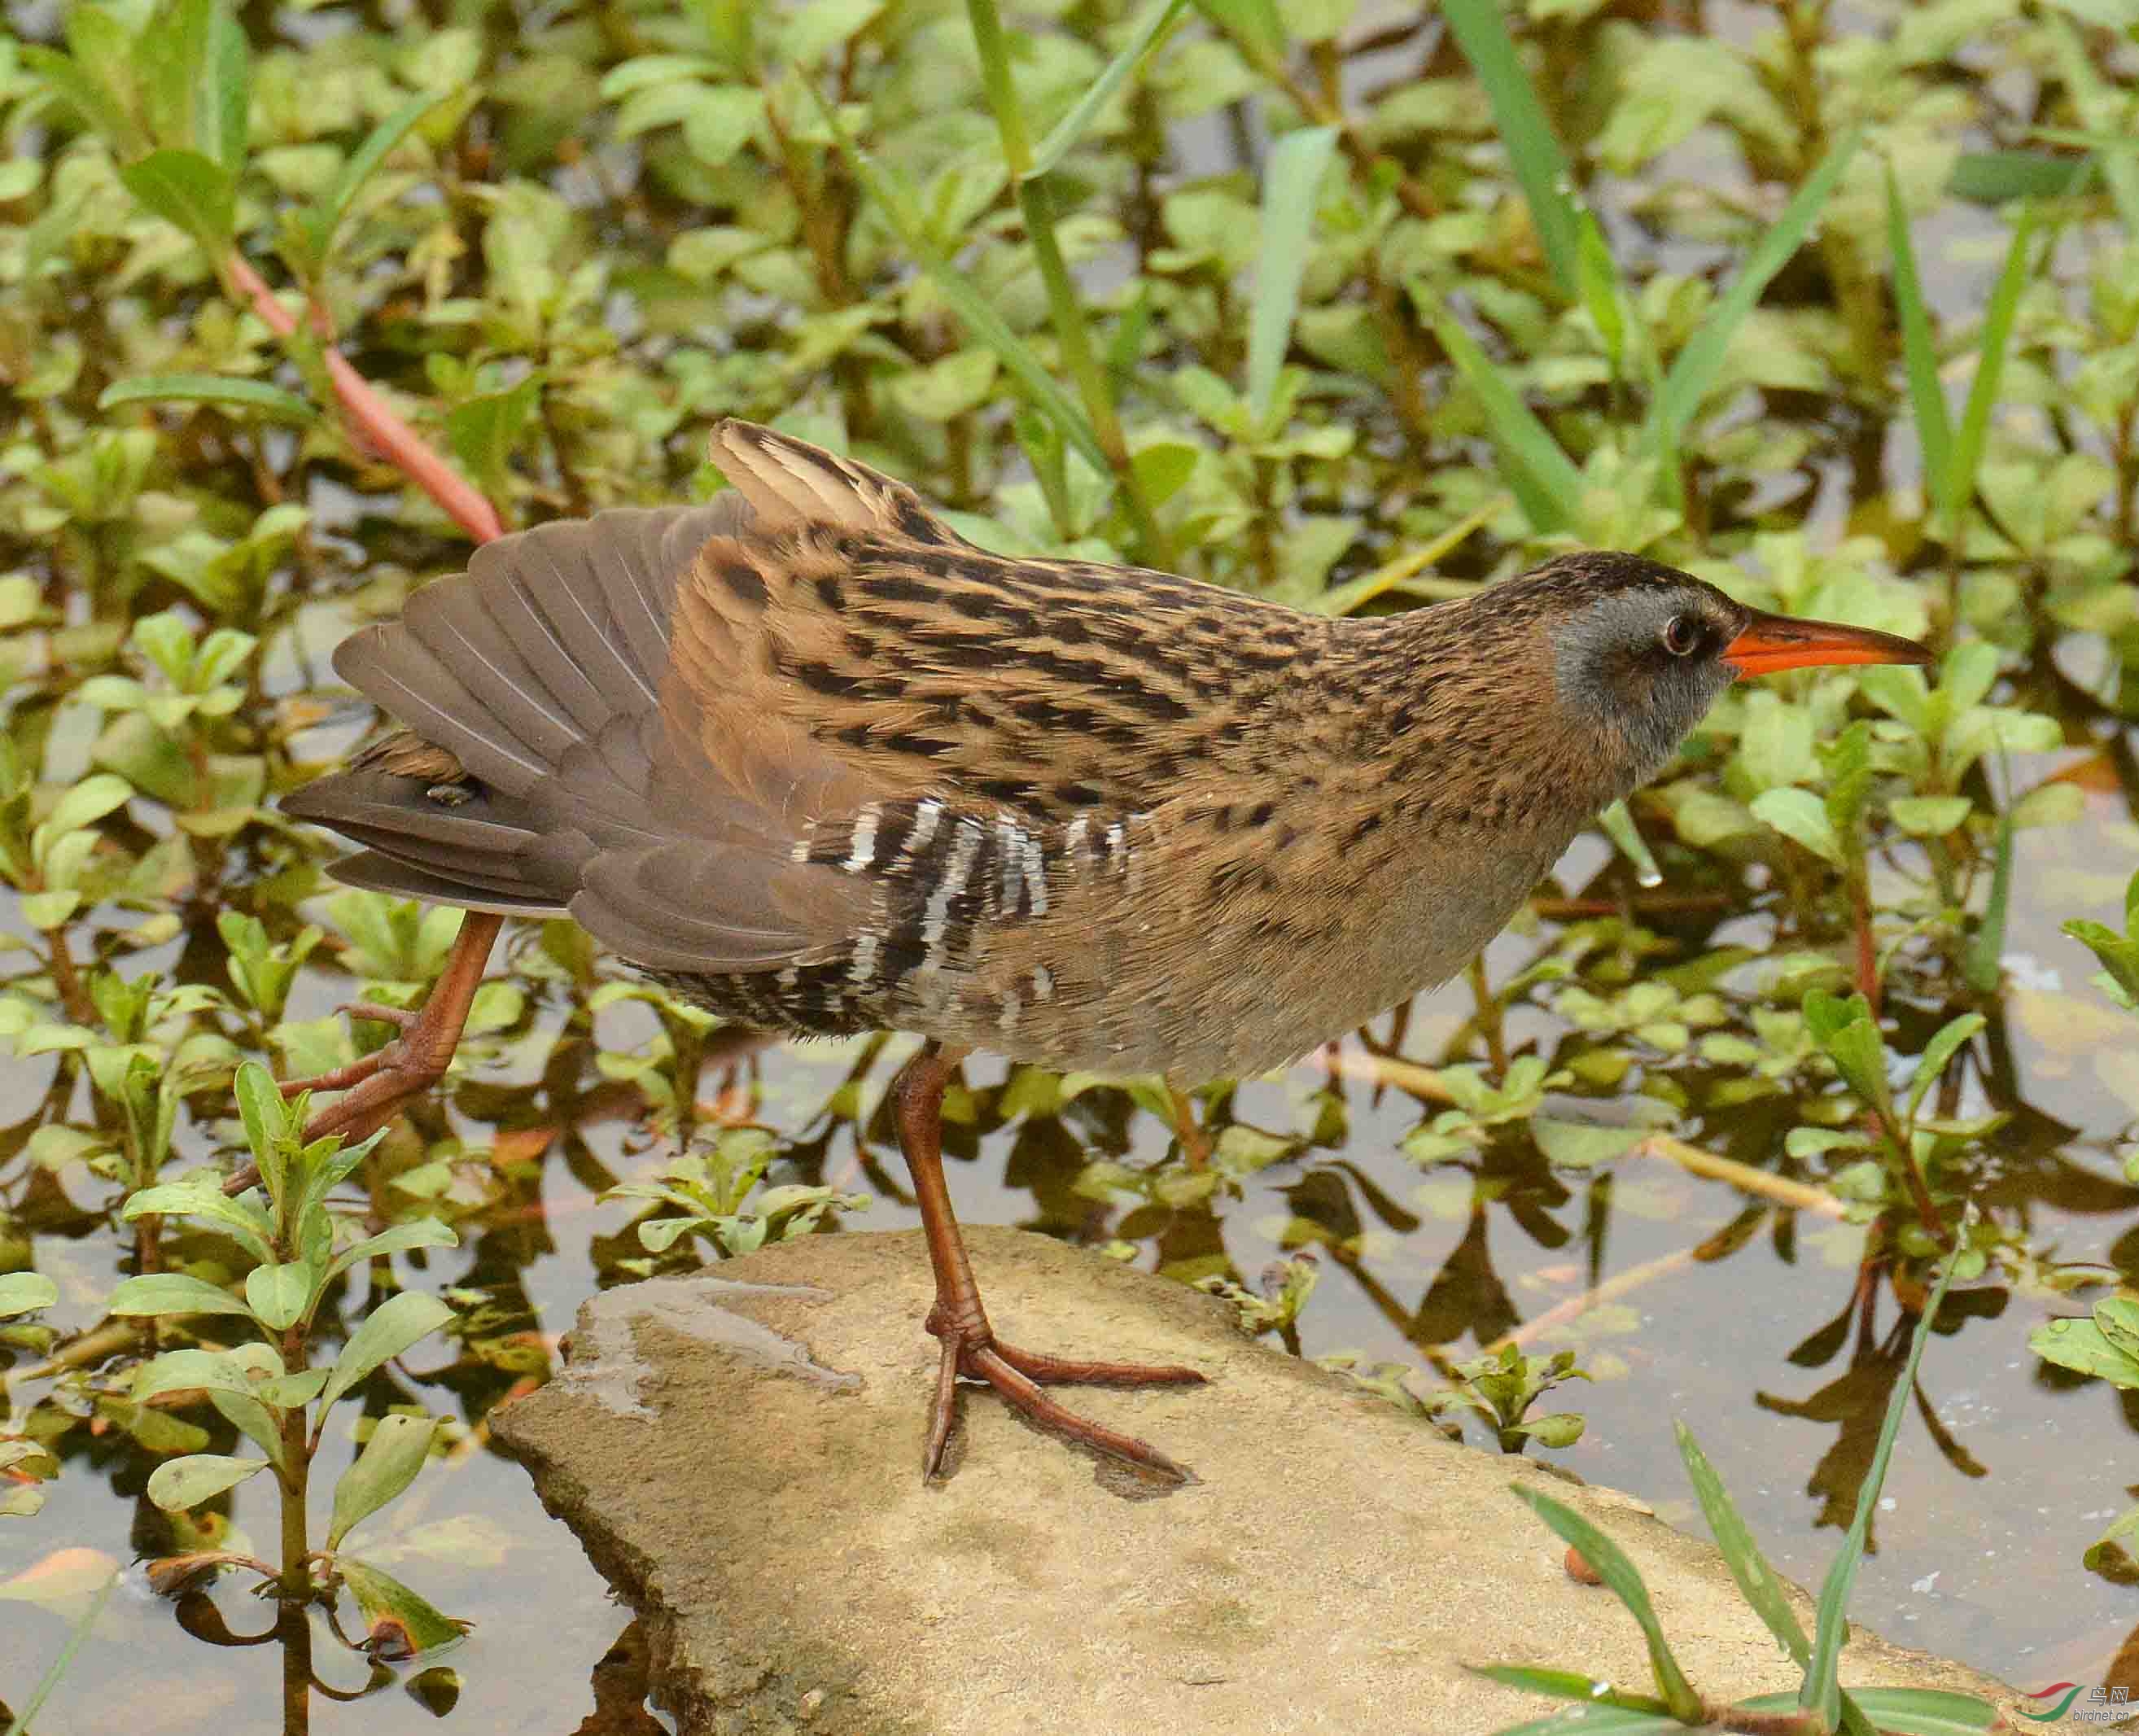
(380, 428)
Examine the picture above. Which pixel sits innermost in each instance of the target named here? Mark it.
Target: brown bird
(813, 761)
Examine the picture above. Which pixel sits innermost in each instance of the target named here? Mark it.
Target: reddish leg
(376, 1087)
(971, 1347)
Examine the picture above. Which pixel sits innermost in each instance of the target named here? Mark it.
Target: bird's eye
(1681, 635)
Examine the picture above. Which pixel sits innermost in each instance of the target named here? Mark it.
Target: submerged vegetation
(1356, 305)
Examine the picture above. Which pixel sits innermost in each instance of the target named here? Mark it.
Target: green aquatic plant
(1821, 1705)
(270, 1389)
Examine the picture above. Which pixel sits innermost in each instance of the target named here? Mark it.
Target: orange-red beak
(1772, 643)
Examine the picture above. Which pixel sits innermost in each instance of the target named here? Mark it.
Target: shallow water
(1762, 1351)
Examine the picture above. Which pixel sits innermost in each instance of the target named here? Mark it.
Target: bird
(810, 758)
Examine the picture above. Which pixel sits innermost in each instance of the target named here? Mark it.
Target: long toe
(989, 1363)
(1047, 1371)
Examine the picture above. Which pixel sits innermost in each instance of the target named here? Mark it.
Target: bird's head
(1642, 650)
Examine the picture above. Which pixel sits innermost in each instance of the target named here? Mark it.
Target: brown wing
(661, 713)
(924, 665)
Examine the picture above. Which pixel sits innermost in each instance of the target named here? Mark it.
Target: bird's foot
(972, 1349)
(374, 1086)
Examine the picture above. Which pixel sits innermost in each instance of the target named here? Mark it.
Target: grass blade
(1695, 371)
(994, 54)
(1983, 964)
(1905, 1711)
(1546, 484)
(897, 201)
(2101, 108)
(1567, 1685)
(1158, 25)
(1822, 1692)
(1757, 1583)
(1624, 1580)
(1934, 431)
(1534, 149)
(325, 218)
(19, 1725)
(1290, 179)
(1998, 318)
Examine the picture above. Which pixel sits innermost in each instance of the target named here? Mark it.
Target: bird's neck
(1458, 708)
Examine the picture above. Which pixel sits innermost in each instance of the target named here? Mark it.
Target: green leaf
(390, 1328)
(423, 1232)
(1570, 1684)
(1937, 1053)
(1996, 177)
(1291, 179)
(205, 1199)
(1618, 821)
(387, 1464)
(20, 1292)
(277, 1294)
(1822, 1692)
(215, 388)
(1929, 816)
(1543, 478)
(1906, 1711)
(1254, 26)
(1983, 965)
(2085, 1349)
(267, 1118)
(1624, 1580)
(178, 1485)
(401, 1624)
(2102, 111)
(1933, 429)
(1158, 24)
(172, 1293)
(1846, 1031)
(901, 210)
(1756, 1580)
(1695, 368)
(1581, 1145)
(204, 80)
(325, 219)
(86, 803)
(239, 1372)
(71, 81)
(484, 430)
(1534, 149)
(1966, 454)
(185, 189)
(1801, 817)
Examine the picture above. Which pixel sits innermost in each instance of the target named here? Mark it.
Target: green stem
(994, 51)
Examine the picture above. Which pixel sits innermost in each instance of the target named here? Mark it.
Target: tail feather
(373, 871)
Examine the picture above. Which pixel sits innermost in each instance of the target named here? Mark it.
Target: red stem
(381, 429)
